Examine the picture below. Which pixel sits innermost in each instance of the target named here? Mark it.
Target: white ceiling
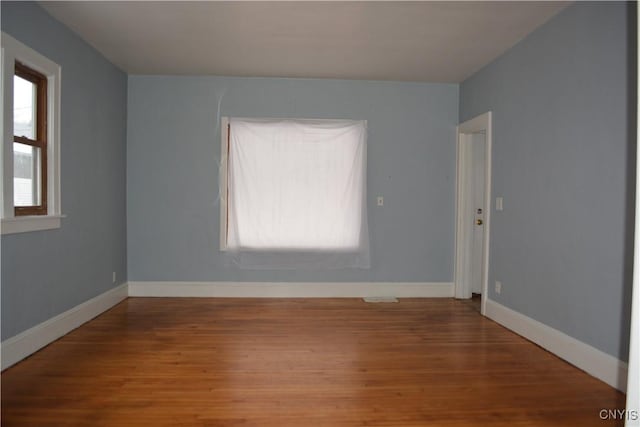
(391, 40)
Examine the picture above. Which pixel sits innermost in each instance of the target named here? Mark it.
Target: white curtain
(297, 193)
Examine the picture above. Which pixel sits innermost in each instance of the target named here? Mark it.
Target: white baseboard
(591, 360)
(18, 347)
(291, 289)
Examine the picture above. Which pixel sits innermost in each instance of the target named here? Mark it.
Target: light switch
(380, 201)
(498, 203)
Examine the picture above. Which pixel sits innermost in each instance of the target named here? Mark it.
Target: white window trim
(224, 132)
(13, 50)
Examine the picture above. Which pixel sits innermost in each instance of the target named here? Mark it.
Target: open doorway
(473, 210)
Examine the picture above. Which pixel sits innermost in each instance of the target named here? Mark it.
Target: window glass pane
(26, 175)
(24, 111)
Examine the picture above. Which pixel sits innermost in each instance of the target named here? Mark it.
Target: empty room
(371, 213)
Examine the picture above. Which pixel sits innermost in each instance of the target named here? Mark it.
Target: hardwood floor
(475, 302)
(298, 362)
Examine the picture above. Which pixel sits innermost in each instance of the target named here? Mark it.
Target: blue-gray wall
(172, 174)
(45, 273)
(563, 139)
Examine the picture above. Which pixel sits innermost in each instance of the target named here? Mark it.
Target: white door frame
(481, 123)
(633, 379)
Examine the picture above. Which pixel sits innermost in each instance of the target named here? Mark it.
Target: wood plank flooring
(299, 363)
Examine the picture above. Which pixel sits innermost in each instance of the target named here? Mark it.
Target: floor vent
(380, 299)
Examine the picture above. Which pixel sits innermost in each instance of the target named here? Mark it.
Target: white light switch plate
(380, 201)
(498, 203)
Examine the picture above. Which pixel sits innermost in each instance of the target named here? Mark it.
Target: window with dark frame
(29, 141)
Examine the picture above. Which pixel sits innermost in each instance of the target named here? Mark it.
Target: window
(29, 141)
(294, 190)
(31, 180)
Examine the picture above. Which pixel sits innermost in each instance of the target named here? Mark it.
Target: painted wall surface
(45, 273)
(563, 103)
(172, 172)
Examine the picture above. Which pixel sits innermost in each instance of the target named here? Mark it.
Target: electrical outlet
(113, 277)
(499, 203)
(498, 287)
(380, 201)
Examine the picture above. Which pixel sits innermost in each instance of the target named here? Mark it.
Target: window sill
(25, 224)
